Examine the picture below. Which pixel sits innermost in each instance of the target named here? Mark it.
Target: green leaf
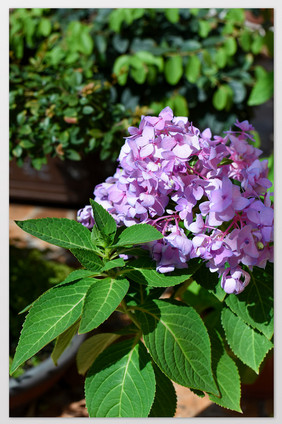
(230, 46)
(104, 221)
(249, 345)
(144, 272)
(257, 44)
(119, 262)
(221, 57)
(87, 110)
(222, 96)
(210, 281)
(226, 375)
(61, 232)
(173, 69)
(62, 342)
(165, 398)
(172, 15)
(138, 234)
(190, 45)
(102, 298)
(91, 348)
(51, 314)
(239, 91)
(255, 304)
(193, 69)
(121, 382)
(235, 15)
(73, 154)
(78, 274)
(121, 68)
(262, 90)
(88, 259)
(44, 27)
(204, 28)
(245, 40)
(85, 42)
(178, 341)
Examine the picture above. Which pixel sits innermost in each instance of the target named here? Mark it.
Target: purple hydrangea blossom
(169, 171)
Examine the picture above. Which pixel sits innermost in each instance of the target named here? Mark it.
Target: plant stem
(131, 316)
(182, 289)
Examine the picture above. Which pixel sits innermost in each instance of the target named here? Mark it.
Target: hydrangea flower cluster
(207, 195)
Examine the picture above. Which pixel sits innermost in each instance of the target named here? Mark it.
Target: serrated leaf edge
(256, 371)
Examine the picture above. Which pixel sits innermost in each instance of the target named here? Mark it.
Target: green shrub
(30, 273)
(80, 77)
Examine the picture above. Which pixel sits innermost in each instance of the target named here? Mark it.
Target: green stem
(182, 289)
(131, 316)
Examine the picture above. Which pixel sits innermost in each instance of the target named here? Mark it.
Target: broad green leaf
(262, 90)
(210, 281)
(165, 398)
(172, 15)
(255, 304)
(190, 45)
(61, 232)
(235, 15)
(102, 298)
(221, 57)
(249, 345)
(138, 234)
(204, 28)
(144, 272)
(226, 375)
(178, 341)
(85, 42)
(97, 237)
(173, 69)
(150, 59)
(222, 96)
(104, 221)
(121, 68)
(193, 69)
(88, 259)
(230, 46)
(121, 382)
(91, 348)
(119, 262)
(239, 91)
(52, 314)
(78, 274)
(62, 342)
(45, 27)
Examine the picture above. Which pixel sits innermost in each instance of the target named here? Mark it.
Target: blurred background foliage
(80, 77)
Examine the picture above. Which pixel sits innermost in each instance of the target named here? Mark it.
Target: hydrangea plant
(180, 240)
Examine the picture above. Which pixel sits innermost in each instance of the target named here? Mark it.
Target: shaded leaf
(91, 348)
(226, 375)
(165, 398)
(255, 304)
(145, 273)
(249, 345)
(62, 342)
